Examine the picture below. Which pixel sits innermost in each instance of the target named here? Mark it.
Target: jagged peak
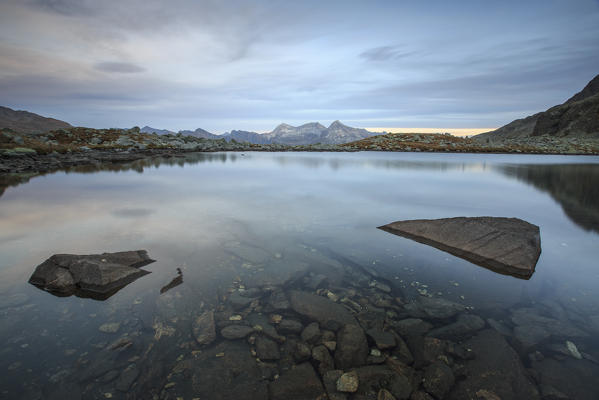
(313, 124)
(337, 124)
(284, 125)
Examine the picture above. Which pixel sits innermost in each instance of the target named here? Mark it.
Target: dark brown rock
(323, 358)
(496, 368)
(203, 328)
(299, 383)
(576, 379)
(352, 347)
(267, 349)
(233, 332)
(383, 340)
(330, 383)
(465, 325)
(438, 379)
(508, 246)
(311, 333)
(289, 326)
(233, 375)
(329, 314)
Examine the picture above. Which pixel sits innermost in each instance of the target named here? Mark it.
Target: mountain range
(577, 117)
(310, 133)
(27, 122)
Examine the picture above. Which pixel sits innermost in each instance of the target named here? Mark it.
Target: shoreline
(31, 162)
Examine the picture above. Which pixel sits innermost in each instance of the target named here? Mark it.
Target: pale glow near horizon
(453, 131)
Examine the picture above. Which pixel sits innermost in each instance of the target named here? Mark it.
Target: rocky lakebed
(274, 304)
(341, 331)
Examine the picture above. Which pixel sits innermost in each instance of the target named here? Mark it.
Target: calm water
(231, 217)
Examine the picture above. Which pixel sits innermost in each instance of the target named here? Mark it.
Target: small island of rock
(98, 276)
(508, 246)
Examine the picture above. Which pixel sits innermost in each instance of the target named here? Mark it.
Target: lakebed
(258, 237)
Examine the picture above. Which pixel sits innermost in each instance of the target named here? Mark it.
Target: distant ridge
(309, 133)
(27, 122)
(577, 117)
(149, 129)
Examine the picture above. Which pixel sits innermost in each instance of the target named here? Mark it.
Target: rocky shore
(65, 148)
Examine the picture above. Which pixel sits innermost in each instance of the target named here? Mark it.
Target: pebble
(573, 350)
(348, 382)
(111, 327)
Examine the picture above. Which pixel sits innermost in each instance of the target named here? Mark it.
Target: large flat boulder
(97, 276)
(508, 246)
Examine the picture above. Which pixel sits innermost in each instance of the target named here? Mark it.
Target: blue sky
(224, 65)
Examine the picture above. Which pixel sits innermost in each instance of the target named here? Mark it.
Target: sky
(223, 65)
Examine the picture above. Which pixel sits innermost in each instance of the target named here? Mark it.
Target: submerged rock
(98, 276)
(465, 324)
(348, 382)
(573, 378)
(233, 332)
(438, 379)
(226, 371)
(267, 349)
(352, 347)
(433, 307)
(298, 383)
(204, 329)
(329, 314)
(508, 246)
(496, 369)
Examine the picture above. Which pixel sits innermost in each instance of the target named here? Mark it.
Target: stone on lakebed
(97, 276)
(508, 246)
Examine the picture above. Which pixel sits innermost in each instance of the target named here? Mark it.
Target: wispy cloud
(119, 67)
(386, 53)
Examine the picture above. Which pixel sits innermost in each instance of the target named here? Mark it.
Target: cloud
(119, 67)
(386, 53)
(63, 7)
(249, 65)
(132, 212)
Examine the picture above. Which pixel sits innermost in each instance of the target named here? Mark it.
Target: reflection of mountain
(574, 186)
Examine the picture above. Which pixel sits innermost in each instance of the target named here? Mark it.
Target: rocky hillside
(27, 122)
(576, 118)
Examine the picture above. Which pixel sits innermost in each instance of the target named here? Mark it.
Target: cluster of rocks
(315, 340)
(544, 144)
(316, 333)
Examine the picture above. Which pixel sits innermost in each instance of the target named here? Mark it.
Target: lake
(256, 226)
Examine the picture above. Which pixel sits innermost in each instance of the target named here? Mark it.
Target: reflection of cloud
(132, 212)
(119, 67)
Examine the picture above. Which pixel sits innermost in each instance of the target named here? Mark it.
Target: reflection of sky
(185, 214)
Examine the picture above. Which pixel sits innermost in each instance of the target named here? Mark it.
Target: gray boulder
(508, 246)
(98, 276)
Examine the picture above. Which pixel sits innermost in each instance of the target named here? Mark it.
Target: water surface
(227, 218)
